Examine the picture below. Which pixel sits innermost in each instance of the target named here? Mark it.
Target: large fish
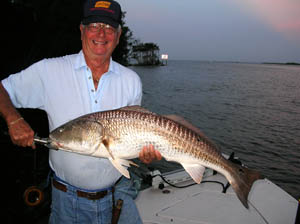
(119, 135)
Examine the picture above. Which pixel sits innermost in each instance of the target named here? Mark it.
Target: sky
(218, 30)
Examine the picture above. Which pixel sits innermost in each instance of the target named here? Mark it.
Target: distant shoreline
(277, 63)
(234, 62)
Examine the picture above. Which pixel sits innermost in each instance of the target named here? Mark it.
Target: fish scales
(202, 149)
(183, 140)
(120, 135)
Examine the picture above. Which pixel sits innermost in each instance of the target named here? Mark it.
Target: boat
(174, 198)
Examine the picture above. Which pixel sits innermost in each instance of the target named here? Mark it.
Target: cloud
(282, 15)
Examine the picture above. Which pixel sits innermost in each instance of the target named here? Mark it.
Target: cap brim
(100, 19)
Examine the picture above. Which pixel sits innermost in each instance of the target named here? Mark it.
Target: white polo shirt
(64, 88)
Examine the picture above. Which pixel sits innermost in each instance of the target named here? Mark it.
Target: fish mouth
(54, 143)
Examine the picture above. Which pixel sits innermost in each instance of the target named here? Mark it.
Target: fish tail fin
(243, 181)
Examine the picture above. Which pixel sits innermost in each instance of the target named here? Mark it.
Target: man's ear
(81, 27)
(119, 35)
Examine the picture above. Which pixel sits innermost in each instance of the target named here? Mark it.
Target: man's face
(99, 40)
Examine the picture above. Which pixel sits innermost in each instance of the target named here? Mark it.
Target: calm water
(251, 109)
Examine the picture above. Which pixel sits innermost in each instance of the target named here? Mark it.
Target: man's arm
(19, 130)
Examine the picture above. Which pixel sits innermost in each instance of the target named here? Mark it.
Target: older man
(68, 87)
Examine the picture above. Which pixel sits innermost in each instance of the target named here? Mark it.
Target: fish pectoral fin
(133, 164)
(195, 171)
(127, 163)
(105, 142)
(119, 165)
(116, 162)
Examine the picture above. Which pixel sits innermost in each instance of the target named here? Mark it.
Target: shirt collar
(81, 63)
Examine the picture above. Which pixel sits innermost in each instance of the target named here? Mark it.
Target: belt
(88, 195)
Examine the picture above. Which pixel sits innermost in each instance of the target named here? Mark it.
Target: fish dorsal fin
(188, 125)
(195, 171)
(184, 123)
(136, 108)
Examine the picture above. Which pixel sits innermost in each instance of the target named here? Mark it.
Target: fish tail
(242, 182)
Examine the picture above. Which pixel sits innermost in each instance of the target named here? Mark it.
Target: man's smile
(99, 42)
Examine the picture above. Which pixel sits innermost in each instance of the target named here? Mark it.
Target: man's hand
(21, 133)
(149, 154)
(19, 130)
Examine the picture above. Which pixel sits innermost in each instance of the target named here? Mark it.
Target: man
(68, 87)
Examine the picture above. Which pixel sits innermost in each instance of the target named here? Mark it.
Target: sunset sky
(221, 30)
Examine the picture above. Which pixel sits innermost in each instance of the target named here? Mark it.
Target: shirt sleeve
(25, 88)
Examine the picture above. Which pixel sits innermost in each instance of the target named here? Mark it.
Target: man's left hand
(149, 154)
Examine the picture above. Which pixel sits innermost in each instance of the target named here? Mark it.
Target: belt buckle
(93, 195)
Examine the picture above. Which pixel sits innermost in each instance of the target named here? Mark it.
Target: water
(250, 109)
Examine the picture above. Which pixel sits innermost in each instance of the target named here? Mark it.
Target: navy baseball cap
(108, 12)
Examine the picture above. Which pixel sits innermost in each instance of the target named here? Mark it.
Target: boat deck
(205, 203)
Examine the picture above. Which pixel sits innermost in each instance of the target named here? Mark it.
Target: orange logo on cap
(102, 4)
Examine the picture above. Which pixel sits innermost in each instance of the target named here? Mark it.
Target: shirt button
(96, 101)
(90, 77)
(92, 90)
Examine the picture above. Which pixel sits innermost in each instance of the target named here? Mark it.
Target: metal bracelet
(15, 121)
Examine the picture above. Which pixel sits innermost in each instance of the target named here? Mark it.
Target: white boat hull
(206, 204)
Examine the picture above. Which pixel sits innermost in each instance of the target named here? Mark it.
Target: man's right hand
(21, 133)
(19, 130)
